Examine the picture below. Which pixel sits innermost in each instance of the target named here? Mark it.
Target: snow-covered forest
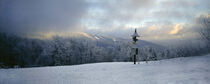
(25, 52)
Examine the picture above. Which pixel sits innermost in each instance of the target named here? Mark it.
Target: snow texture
(184, 70)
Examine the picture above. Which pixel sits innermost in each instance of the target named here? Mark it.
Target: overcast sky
(154, 19)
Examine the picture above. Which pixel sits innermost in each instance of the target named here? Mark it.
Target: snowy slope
(189, 70)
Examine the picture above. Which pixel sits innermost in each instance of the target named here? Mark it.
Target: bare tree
(205, 31)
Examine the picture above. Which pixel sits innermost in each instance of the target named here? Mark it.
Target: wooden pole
(134, 59)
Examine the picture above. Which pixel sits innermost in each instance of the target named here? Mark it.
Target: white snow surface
(184, 70)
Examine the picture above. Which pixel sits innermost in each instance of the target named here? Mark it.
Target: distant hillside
(111, 40)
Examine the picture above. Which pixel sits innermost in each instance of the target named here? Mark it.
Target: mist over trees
(24, 52)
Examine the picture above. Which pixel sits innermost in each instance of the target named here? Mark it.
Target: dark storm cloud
(40, 15)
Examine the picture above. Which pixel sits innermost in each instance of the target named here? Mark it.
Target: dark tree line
(24, 52)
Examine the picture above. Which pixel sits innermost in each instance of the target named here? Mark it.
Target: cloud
(137, 12)
(152, 28)
(152, 18)
(106, 13)
(179, 10)
(176, 29)
(41, 15)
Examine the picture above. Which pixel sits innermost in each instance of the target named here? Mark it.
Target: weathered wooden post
(134, 48)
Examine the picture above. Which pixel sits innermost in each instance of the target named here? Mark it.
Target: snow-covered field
(188, 70)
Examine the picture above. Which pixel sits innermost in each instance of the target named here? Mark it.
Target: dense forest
(17, 51)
